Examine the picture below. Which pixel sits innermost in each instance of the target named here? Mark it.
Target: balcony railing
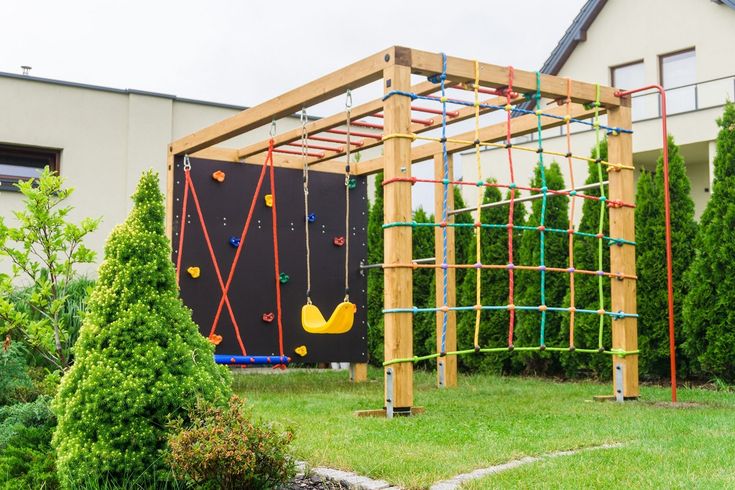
(686, 98)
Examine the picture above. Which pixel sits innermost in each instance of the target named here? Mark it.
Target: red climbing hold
(268, 317)
(338, 241)
(219, 176)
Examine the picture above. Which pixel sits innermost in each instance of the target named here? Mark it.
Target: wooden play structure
(395, 120)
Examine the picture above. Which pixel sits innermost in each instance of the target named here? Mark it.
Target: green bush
(223, 448)
(375, 276)
(424, 286)
(708, 313)
(139, 359)
(16, 384)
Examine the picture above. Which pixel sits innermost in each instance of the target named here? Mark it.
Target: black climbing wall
(252, 292)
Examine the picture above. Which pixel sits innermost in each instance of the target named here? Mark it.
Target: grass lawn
(489, 420)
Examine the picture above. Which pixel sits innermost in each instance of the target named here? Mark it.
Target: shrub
(15, 383)
(44, 249)
(139, 359)
(224, 448)
(375, 276)
(424, 286)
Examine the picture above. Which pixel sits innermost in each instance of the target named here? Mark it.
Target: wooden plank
(380, 412)
(397, 240)
(358, 372)
(450, 362)
(497, 132)
(353, 76)
(169, 194)
(330, 122)
(622, 258)
(463, 70)
(284, 161)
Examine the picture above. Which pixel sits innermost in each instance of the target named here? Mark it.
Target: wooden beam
(358, 372)
(397, 240)
(283, 161)
(497, 132)
(463, 70)
(622, 258)
(447, 365)
(169, 194)
(353, 76)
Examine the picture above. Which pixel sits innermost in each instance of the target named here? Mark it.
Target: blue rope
(445, 197)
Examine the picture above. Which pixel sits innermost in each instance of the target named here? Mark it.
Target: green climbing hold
(352, 183)
(283, 277)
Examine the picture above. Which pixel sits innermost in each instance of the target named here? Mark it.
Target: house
(684, 45)
(100, 139)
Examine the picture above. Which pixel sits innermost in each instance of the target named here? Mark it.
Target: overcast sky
(243, 52)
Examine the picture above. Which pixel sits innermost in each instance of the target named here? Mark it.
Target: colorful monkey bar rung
(364, 124)
(359, 134)
(297, 152)
(251, 360)
(438, 112)
(425, 122)
(336, 140)
(318, 147)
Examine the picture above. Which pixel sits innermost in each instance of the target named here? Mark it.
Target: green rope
(601, 227)
(542, 171)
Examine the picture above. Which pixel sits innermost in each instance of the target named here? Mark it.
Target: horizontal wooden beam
(357, 74)
(294, 162)
(463, 70)
(497, 132)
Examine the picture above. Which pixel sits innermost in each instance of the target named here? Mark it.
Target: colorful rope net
(543, 231)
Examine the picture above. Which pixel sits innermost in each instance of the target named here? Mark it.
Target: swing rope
(348, 109)
(304, 157)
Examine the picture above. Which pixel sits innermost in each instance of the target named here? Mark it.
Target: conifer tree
(556, 216)
(375, 276)
(140, 358)
(424, 294)
(653, 327)
(708, 309)
(495, 288)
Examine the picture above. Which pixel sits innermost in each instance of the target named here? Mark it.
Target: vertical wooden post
(397, 240)
(622, 257)
(169, 219)
(447, 364)
(358, 372)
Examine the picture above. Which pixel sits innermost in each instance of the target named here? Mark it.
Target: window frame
(51, 156)
(661, 57)
(624, 65)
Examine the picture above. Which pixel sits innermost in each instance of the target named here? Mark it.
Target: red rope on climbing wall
(276, 264)
(214, 262)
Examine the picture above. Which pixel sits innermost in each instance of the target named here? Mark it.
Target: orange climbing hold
(194, 272)
(215, 339)
(219, 176)
(269, 200)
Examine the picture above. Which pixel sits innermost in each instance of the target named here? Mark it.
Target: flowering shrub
(224, 448)
(139, 359)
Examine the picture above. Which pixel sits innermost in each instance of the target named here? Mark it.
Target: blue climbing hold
(234, 241)
(311, 218)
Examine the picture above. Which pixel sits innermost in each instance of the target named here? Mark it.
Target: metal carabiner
(348, 101)
(273, 128)
(187, 163)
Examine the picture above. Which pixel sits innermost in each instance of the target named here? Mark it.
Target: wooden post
(169, 219)
(397, 240)
(358, 372)
(622, 257)
(447, 364)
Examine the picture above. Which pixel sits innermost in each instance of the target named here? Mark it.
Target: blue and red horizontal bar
(246, 360)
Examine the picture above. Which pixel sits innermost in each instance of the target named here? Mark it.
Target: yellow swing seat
(341, 320)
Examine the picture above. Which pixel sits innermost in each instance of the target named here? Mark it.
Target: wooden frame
(394, 66)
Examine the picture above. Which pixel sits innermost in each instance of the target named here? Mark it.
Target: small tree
(424, 286)
(375, 276)
(495, 288)
(44, 249)
(653, 326)
(140, 358)
(556, 284)
(709, 337)
(587, 295)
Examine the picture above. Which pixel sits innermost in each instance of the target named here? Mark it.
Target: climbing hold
(352, 183)
(268, 317)
(234, 241)
(194, 272)
(300, 350)
(269, 200)
(215, 339)
(311, 218)
(338, 241)
(283, 277)
(219, 176)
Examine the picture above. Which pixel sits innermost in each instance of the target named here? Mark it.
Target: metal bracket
(440, 369)
(619, 395)
(389, 393)
(352, 372)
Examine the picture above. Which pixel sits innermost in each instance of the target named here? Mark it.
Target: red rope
(276, 267)
(214, 262)
(180, 252)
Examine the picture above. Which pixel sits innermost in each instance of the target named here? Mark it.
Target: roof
(577, 32)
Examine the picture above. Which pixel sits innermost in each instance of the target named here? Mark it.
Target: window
(678, 76)
(633, 75)
(24, 162)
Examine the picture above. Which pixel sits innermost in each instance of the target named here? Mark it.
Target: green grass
(490, 420)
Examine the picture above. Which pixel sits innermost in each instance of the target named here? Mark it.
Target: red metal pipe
(425, 122)
(335, 140)
(364, 124)
(318, 147)
(667, 213)
(297, 152)
(359, 134)
(500, 92)
(429, 110)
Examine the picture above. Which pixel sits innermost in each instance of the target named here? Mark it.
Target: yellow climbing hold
(300, 350)
(194, 272)
(269, 200)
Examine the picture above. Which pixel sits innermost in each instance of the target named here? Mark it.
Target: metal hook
(273, 128)
(187, 163)
(348, 102)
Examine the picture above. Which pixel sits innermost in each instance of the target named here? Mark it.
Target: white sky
(245, 52)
